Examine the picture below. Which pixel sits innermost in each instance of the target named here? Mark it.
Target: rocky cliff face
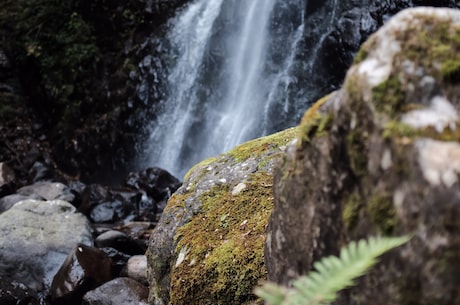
(380, 157)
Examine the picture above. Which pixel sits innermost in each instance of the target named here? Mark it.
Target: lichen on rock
(208, 245)
(386, 163)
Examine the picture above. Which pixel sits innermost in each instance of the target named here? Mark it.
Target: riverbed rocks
(54, 251)
(36, 238)
(380, 157)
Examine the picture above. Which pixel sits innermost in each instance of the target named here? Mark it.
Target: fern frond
(332, 274)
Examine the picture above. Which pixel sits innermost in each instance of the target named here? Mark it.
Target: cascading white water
(225, 65)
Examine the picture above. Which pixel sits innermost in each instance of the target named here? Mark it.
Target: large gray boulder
(208, 245)
(381, 157)
(36, 238)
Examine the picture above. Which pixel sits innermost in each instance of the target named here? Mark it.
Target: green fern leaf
(332, 274)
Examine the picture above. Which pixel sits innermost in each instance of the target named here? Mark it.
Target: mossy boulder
(208, 245)
(381, 157)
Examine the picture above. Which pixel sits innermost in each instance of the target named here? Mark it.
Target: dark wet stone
(91, 196)
(120, 291)
(41, 172)
(114, 205)
(83, 270)
(137, 229)
(156, 182)
(121, 242)
(7, 179)
(15, 293)
(118, 258)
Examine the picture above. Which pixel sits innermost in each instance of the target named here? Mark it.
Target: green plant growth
(332, 274)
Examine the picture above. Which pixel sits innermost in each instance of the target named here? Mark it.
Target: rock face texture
(208, 245)
(36, 238)
(381, 157)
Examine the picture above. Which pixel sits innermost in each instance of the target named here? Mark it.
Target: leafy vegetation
(332, 274)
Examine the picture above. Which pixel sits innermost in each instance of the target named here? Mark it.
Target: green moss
(262, 145)
(450, 70)
(381, 210)
(316, 125)
(313, 110)
(201, 164)
(351, 211)
(378, 208)
(358, 151)
(361, 55)
(436, 47)
(395, 129)
(225, 246)
(176, 203)
(389, 96)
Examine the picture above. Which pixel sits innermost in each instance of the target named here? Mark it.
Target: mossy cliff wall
(208, 245)
(381, 157)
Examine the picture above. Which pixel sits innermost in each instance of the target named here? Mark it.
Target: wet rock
(7, 179)
(48, 191)
(380, 157)
(118, 258)
(8, 201)
(136, 268)
(120, 291)
(107, 205)
(16, 293)
(156, 182)
(36, 238)
(208, 246)
(41, 172)
(117, 205)
(84, 269)
(121, 242)
(137, 229)
(92, 195)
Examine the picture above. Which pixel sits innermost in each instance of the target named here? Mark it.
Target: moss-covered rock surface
(381, 157)
(208, 246)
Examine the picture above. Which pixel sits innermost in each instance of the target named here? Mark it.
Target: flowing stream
(230, 79)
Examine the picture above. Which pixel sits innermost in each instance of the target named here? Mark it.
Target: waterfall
(230, 69)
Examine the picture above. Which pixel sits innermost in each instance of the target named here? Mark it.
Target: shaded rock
(121, 242)
(118, 258)
(36, 238)
(7, 179)
(104, 204)
(108, 205)
(207, 247)
(120, 291)
(48, 191)
(363, 166)
(16, 293)
(41, 172)
(8, 201)
(91, 195)
(137, 229)
(156, 182)
(84, 269)
(136, 268)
